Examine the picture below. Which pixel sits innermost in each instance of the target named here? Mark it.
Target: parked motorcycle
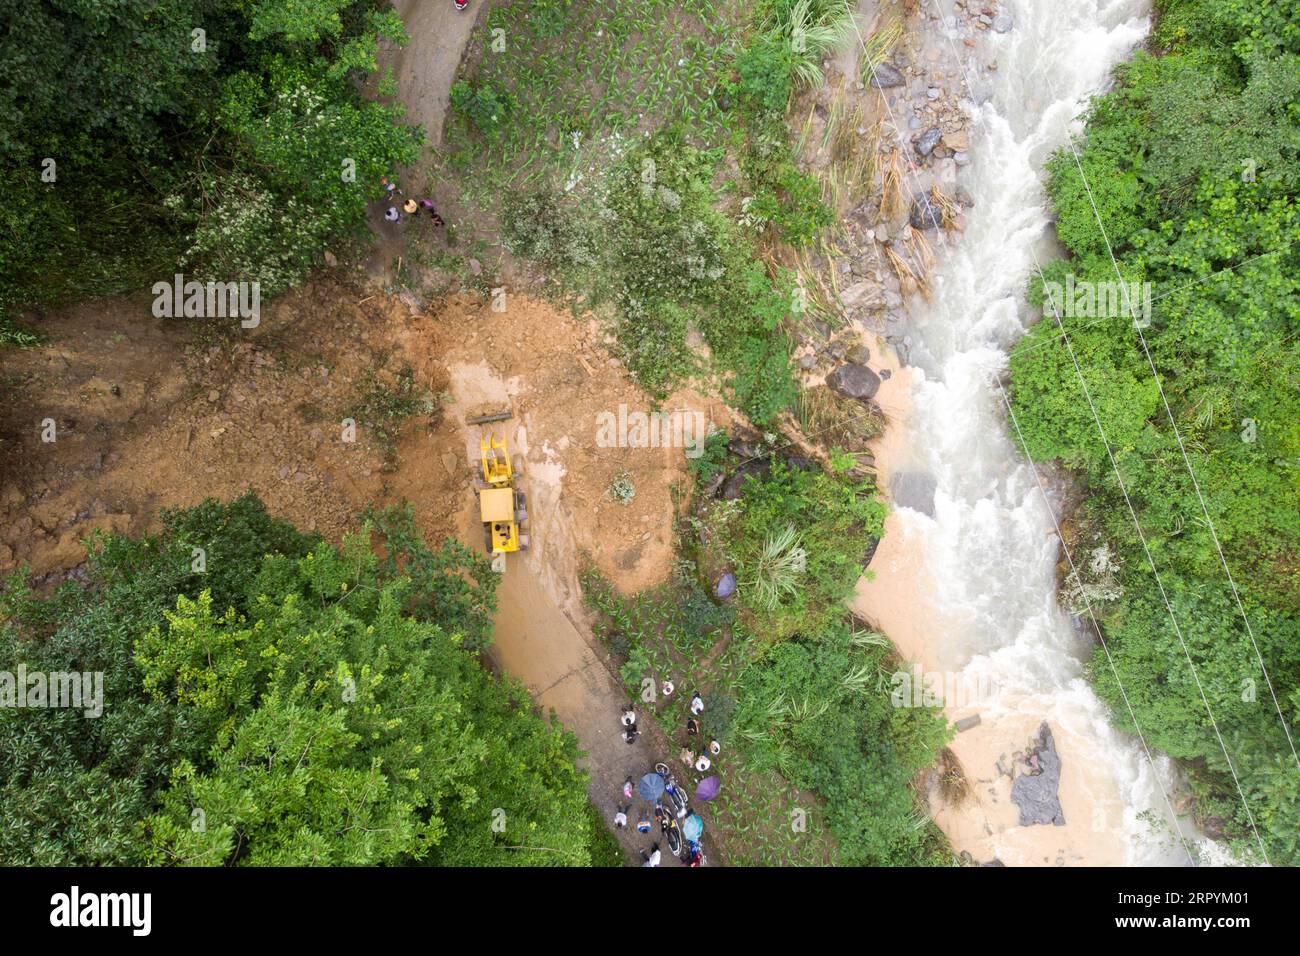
(669, 829)
(675, 795)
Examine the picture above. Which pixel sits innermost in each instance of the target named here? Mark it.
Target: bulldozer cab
(496, 461)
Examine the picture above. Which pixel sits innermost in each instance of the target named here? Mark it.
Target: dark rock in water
(1036, 793)
(854, 381)
(859, 355)
(725, 586)
(993, 862)
(926, 213)
(928, 141)
(800, 463)
(915, 490)
(870, 552)
(885, 76)
(735, 485)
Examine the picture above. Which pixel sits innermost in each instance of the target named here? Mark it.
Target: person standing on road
(620, 818)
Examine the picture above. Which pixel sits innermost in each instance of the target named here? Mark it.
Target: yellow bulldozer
(502, 507)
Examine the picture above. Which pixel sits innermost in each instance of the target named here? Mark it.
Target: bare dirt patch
(152, 414)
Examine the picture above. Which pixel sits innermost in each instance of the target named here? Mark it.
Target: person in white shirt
(651, 858)
(620, 818)
(697, 705)
(703, 763)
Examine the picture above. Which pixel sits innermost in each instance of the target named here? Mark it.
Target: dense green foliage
(836, 519)
(818, 710)
(1193, 164)
(293, 703)
(246, 150)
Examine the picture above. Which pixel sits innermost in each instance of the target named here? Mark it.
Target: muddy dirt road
(426, 66)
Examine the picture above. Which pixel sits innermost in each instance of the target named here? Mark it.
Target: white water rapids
(980, 595)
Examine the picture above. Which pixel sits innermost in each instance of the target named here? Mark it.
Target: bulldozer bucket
(487, 419)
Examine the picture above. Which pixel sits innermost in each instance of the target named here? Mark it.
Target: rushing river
(969, 590)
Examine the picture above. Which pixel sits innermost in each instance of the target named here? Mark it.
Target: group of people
(701, 763)
(409, 206)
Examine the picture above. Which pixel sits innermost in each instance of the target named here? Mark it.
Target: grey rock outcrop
(1036, 794)
(915, 490)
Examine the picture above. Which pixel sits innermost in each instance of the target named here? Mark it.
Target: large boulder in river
(1035, 790)
(885, 76)
(854, 381)
(915, 490)
(926, 213)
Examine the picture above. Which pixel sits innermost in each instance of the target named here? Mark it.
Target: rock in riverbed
(915, 490)
(885, 76)
(926, 213)
(1036, 793)
(928, 140)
